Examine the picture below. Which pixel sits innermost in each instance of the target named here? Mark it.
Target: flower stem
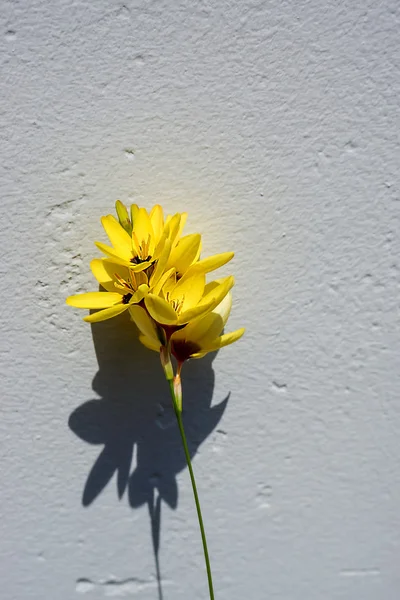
(177, 403)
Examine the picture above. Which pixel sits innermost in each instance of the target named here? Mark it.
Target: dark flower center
(183, 349)
(126, 298)
(136, 260)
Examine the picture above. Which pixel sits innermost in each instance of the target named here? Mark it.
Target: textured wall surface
(276, 125)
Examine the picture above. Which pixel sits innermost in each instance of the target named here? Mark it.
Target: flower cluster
(157, 274)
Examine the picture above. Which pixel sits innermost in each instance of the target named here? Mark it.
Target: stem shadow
(134, 414)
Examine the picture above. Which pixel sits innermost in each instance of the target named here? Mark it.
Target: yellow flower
(196, 339)
(147, 253)
(174, 302)
(123, 288)
(138, 240)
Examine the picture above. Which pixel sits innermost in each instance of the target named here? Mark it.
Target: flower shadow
(134, 415)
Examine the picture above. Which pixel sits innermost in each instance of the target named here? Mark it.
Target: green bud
(123, 216)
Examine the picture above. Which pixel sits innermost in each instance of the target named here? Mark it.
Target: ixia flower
(185, 299)
(145, 252)
(196, 339)
(160, 278)
(123, 287)
(138, 240)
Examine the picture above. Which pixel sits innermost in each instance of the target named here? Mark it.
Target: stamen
(177, 304)
(142, 250)
(122, 283)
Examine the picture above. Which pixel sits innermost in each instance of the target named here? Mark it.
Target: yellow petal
(223, 340)
(209, 326)
(150, 343)
(143, 322)
(121, 258)
(195, 312)
(158, 250)
(206, 265)
(213, 288)
(101, 274)
(108, 313)
(216, 293)
(188, 291)
(198, 355)
(157, 221)
(181, 224)
(204, 330)
(160, 310)
(161, 282)
(104, 271)
(94, 300)
(140, 293)
(161, 264)
(143, 229)
(224, 308)
(134, 212)
(185, 252)
(119, 238)
(171, 228)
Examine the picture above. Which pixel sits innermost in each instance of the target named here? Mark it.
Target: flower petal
(224, 308)
(159, 247)
(108, 313)
(161, 264)
(181, 224)
(119, 238)
(160, 310)
(150, 343)
(188, 291)
(157, 221)
(172, 227)
(160, 284)
(223, 340)
(94, 300)
(214, 296)
(195, 312)
(140, 293)
(203, 331)
(112, 254)
(143, 322)
(185, 252)
(207, 327)
(120, 259)
(215, 289)
(143, 229)
(104, 271)
(206, 265)
(134, 212)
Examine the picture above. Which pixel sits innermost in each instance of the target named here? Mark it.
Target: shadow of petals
(134, 415)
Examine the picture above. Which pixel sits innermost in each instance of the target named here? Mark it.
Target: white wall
(276, 125)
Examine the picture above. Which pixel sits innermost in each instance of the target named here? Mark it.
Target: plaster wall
(275, 124)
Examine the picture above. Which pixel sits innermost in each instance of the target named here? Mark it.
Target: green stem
(178, 414)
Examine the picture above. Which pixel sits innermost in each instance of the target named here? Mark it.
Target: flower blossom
(147, 251)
